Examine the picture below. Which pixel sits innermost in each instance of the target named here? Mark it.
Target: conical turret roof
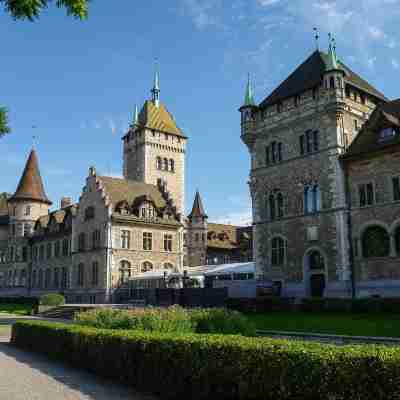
(198, 209)
(30, 186)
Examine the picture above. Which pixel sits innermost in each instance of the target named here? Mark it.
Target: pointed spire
(197, 209)
(156, 87)
(249, 98)
(136, 116)
(31, 186)
(332, 62)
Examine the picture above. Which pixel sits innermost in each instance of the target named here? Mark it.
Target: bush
(32, 301)
(52, 299)
(220, 320)
(171, 319)
(220, 366)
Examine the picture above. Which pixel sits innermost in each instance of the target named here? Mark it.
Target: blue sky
(78, 82)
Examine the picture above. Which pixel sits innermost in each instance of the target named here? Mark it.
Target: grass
(387, 325)
(15, 309)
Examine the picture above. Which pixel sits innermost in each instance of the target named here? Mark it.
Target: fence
(188, 297)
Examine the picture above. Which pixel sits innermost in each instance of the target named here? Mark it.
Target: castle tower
(154, 149)
(30, 201)
(197, 233)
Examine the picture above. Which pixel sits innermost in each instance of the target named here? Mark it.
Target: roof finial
(156, 86)
(249, 98)
(316, 38)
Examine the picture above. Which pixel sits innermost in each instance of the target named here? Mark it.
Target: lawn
(340, 324)
(16, 309)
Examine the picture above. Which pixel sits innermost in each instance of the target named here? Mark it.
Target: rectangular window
(356, 125)
(48, 250)
(24, 254)
(64, 278)
(301, 144)
(95, 273)
(56, 277)
(168, 243)
(273, 151)
(65, 247)
(279, 151)
(27, 210)
(366, 194)
(41, 252)
(47, 278)
(316, 140)
(81, 242)
(309, 141)
(81, 275)
(396, 188)
(96, 239)
(147, 241)
(125, 239)
(57, 249)
(267, 155)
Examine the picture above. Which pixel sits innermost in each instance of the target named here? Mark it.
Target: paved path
(30, 376)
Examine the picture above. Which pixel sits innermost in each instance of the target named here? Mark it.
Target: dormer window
(386, 134)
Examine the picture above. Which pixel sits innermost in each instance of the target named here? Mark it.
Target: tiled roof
(197, 209)
(58, 215)
(222, 236)
(309, 75)
(158, 118)
(120, 190)
(367, 139)
(30, 186)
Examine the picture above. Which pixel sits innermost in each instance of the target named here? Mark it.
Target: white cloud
(202, 12)
(376, 33)
(240, 218)
(266, 3)
(395, 64)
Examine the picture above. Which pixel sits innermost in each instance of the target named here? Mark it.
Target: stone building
(119, 226)
(299, 138)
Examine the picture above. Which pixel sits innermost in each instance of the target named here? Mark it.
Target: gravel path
(30, 376)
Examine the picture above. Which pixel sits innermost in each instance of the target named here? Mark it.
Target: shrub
(52, 299)
(220, 366)
(220, 320)
(171, 319)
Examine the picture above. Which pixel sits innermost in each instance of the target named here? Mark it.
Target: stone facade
(302, 221)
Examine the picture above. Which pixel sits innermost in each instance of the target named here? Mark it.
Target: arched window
(316, 198)
(277, 252)
(315, 260)
(147, 266)
(375, 242)
(397, 240)
(280, 205)
(312, 199)
(272, 213)
(159, 163)
(172, 165)
(168, 266)
(125, 271)
(166, 164)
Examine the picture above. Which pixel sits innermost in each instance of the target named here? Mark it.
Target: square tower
(154, 150)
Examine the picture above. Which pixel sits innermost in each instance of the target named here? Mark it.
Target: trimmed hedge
(20, 300)
(198, 367)
(52, 299)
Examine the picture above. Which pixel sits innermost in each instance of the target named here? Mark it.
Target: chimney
(66, 202)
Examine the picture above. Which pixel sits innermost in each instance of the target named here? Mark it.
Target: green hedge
(52, 299)
(195, 366)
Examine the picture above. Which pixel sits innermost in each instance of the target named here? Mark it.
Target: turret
(247, 111)
(197, 233)
(334, 73)
(30, 201)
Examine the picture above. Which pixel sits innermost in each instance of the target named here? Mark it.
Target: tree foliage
(4, 128)
(31, 9)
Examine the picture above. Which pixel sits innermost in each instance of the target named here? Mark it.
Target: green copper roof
(332, 61)
(249, 98)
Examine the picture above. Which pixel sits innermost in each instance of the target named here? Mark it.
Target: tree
(3, 121)
(31, 9)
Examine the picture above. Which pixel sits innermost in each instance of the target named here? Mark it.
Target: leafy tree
(3, 121)
(31, 9)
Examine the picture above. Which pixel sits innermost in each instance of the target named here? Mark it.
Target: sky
(74, 84)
